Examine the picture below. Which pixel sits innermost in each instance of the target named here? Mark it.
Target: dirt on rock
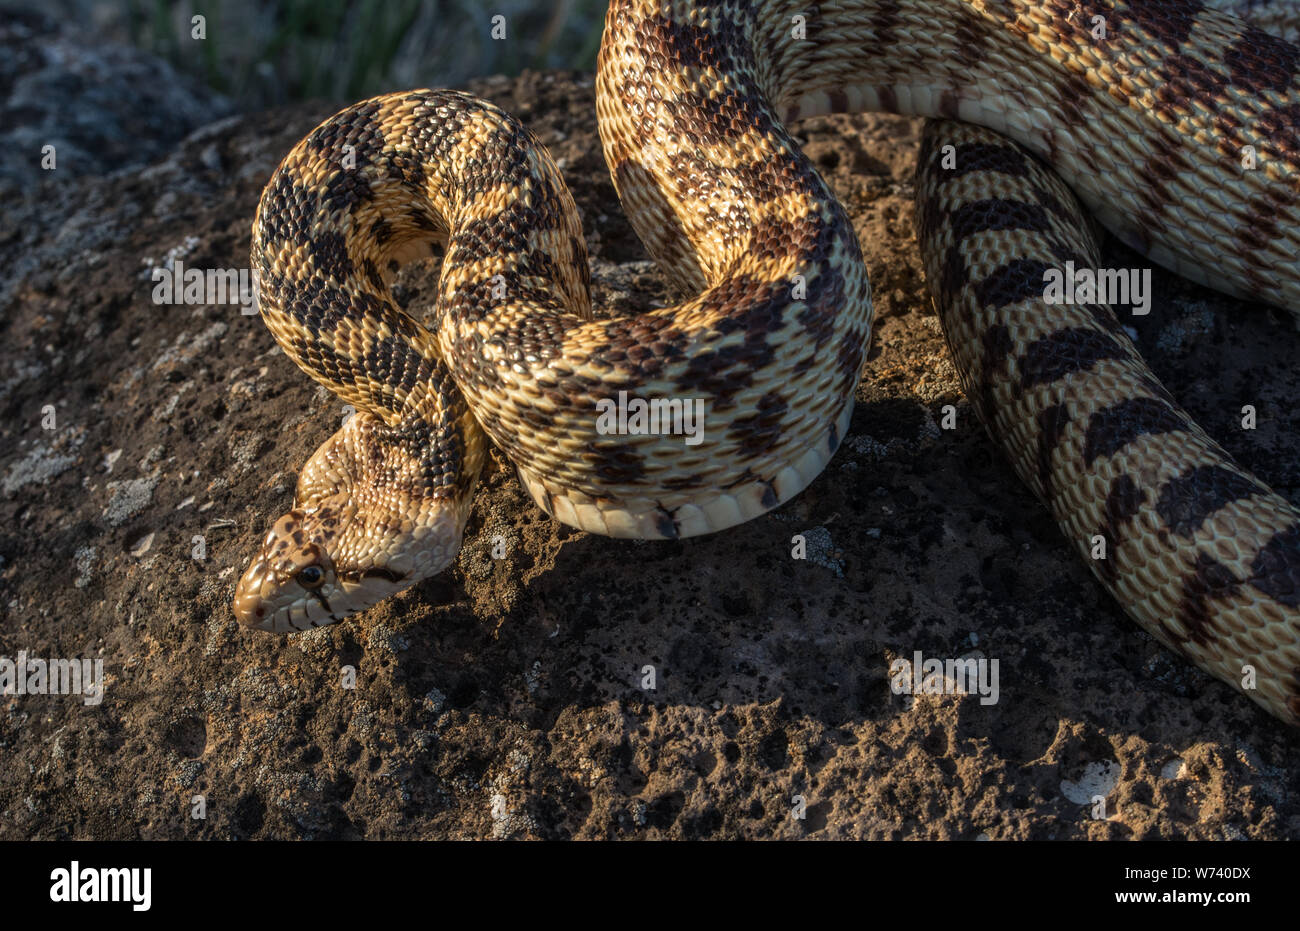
(577, 686)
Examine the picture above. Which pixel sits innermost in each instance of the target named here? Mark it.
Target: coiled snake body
(1148, 110)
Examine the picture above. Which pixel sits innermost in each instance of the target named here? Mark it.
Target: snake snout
(268, 600)
(250, 608)
(288, 586)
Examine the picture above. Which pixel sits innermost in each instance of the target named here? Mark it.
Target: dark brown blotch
(1189, 500)
(1209, 580)
(1113, 428)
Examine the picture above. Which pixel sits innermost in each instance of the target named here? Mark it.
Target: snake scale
(1143, 109)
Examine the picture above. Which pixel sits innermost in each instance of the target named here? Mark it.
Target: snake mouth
(250, 608)
(293, 618)
(301, 614)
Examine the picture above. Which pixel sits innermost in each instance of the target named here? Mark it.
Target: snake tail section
(1202, 555)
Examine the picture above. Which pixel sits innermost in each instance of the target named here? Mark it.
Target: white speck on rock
(1174, 769)
(383, 637)
(435, 700)
(128, 499)
(36, 468)
(1097, 779)
(84, 559)
(533, 677)
(821, 550)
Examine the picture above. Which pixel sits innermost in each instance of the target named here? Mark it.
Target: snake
(1172, 125)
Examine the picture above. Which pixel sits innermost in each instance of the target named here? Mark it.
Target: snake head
(309, 573)
(293, 583)
(367, 522)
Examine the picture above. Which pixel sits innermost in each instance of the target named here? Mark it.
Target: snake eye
(310, 576)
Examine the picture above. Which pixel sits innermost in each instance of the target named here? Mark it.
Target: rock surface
(506, 698)
(100, 106)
